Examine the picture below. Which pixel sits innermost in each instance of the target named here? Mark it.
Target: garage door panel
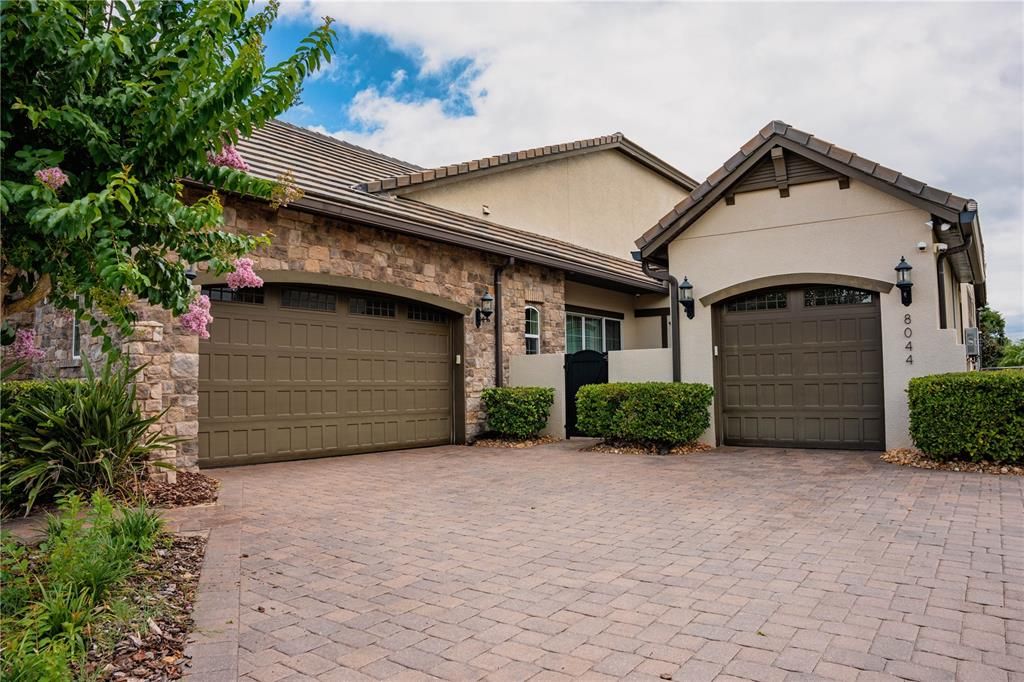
(809, 374)
(287, 383)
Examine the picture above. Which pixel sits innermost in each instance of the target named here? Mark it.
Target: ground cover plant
(66, 604)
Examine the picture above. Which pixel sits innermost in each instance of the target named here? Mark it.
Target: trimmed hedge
(519, 411)
(658, 412)
(969, 415)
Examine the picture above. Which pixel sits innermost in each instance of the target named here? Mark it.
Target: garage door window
(768, 300)
(307, 299)
(423, 313)
(229, 295)
(817, 296)
(374, 307)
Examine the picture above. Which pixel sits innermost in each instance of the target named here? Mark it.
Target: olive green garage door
(802, 367)
(294, 372)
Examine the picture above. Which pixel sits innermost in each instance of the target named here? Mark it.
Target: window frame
(583, 334)
(527, 336)
(76, 338)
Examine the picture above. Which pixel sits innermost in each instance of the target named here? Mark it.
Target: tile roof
(778, 132)
(318, 162)
(405, 181)
(327, 168)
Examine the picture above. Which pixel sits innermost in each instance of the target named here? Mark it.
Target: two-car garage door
(802, 367)
(291, 372)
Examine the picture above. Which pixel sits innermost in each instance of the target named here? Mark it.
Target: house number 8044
(907, 333)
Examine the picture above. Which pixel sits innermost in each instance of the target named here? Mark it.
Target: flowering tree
(105, 106)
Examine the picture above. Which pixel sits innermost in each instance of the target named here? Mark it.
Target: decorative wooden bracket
(844, 182)
(779, 163)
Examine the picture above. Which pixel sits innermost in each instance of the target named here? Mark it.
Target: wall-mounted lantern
(483, 313)
(190, 272)
(686, 297)
(903, 280)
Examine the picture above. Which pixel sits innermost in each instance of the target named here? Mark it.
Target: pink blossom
(25, 348)
(229, 157)
(52, 177)
(198, 317)
(243, 276)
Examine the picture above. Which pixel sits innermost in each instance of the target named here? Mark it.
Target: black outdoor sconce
(483, 313)
(686, 297)
(903, 280)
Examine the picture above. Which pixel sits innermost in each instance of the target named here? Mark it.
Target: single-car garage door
(802, 367)
(293, 372)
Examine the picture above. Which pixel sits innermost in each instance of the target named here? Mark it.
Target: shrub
(520, 411)
(15, 396)
(969, 415)
(658, 412)
(84, 435)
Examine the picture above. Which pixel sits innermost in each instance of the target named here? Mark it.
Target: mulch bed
(915, 458)
(165, 586)
(191, 488)
(633, 448)
(499, 442)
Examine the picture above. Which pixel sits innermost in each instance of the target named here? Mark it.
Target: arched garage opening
(298, 370)
(800, 365)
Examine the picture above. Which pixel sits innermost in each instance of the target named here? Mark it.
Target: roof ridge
(337, 140)
(601, 142)
(830, 152)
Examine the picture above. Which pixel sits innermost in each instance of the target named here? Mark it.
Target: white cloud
(933, 90)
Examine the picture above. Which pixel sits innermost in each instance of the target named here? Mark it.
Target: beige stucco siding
(819, 228)
(600, 200)
(636, 332)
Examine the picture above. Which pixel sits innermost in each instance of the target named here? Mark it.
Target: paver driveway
(466, 563)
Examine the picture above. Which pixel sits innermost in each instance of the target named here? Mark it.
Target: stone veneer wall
(307, 243)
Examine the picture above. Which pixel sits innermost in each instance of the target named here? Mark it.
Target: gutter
(499, 354)
(673, 304)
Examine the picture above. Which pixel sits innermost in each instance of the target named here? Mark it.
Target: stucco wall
(858, 231)
(601, 200)
(547, 370)
(651, 364)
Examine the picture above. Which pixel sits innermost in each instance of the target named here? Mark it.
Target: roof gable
(413, 181)
(821, 154)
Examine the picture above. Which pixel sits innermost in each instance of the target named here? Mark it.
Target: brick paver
(471, 563)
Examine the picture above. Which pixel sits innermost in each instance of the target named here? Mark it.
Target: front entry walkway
(547, 563)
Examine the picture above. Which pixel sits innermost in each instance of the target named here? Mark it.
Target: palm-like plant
(91, 436)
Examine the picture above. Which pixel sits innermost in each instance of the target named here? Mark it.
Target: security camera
(939, 248)
(922, 247)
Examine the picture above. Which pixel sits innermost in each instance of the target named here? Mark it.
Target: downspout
(499, 355)
(673, 284)
(940, 274)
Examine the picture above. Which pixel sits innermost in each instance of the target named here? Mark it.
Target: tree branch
(29, 301)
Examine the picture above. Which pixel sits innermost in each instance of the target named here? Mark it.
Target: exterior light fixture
(903, 280)
(686, 297)
(190, 272)
(483, 313)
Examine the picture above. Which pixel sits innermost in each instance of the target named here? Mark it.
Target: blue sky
(437, 83)
(368, 61)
